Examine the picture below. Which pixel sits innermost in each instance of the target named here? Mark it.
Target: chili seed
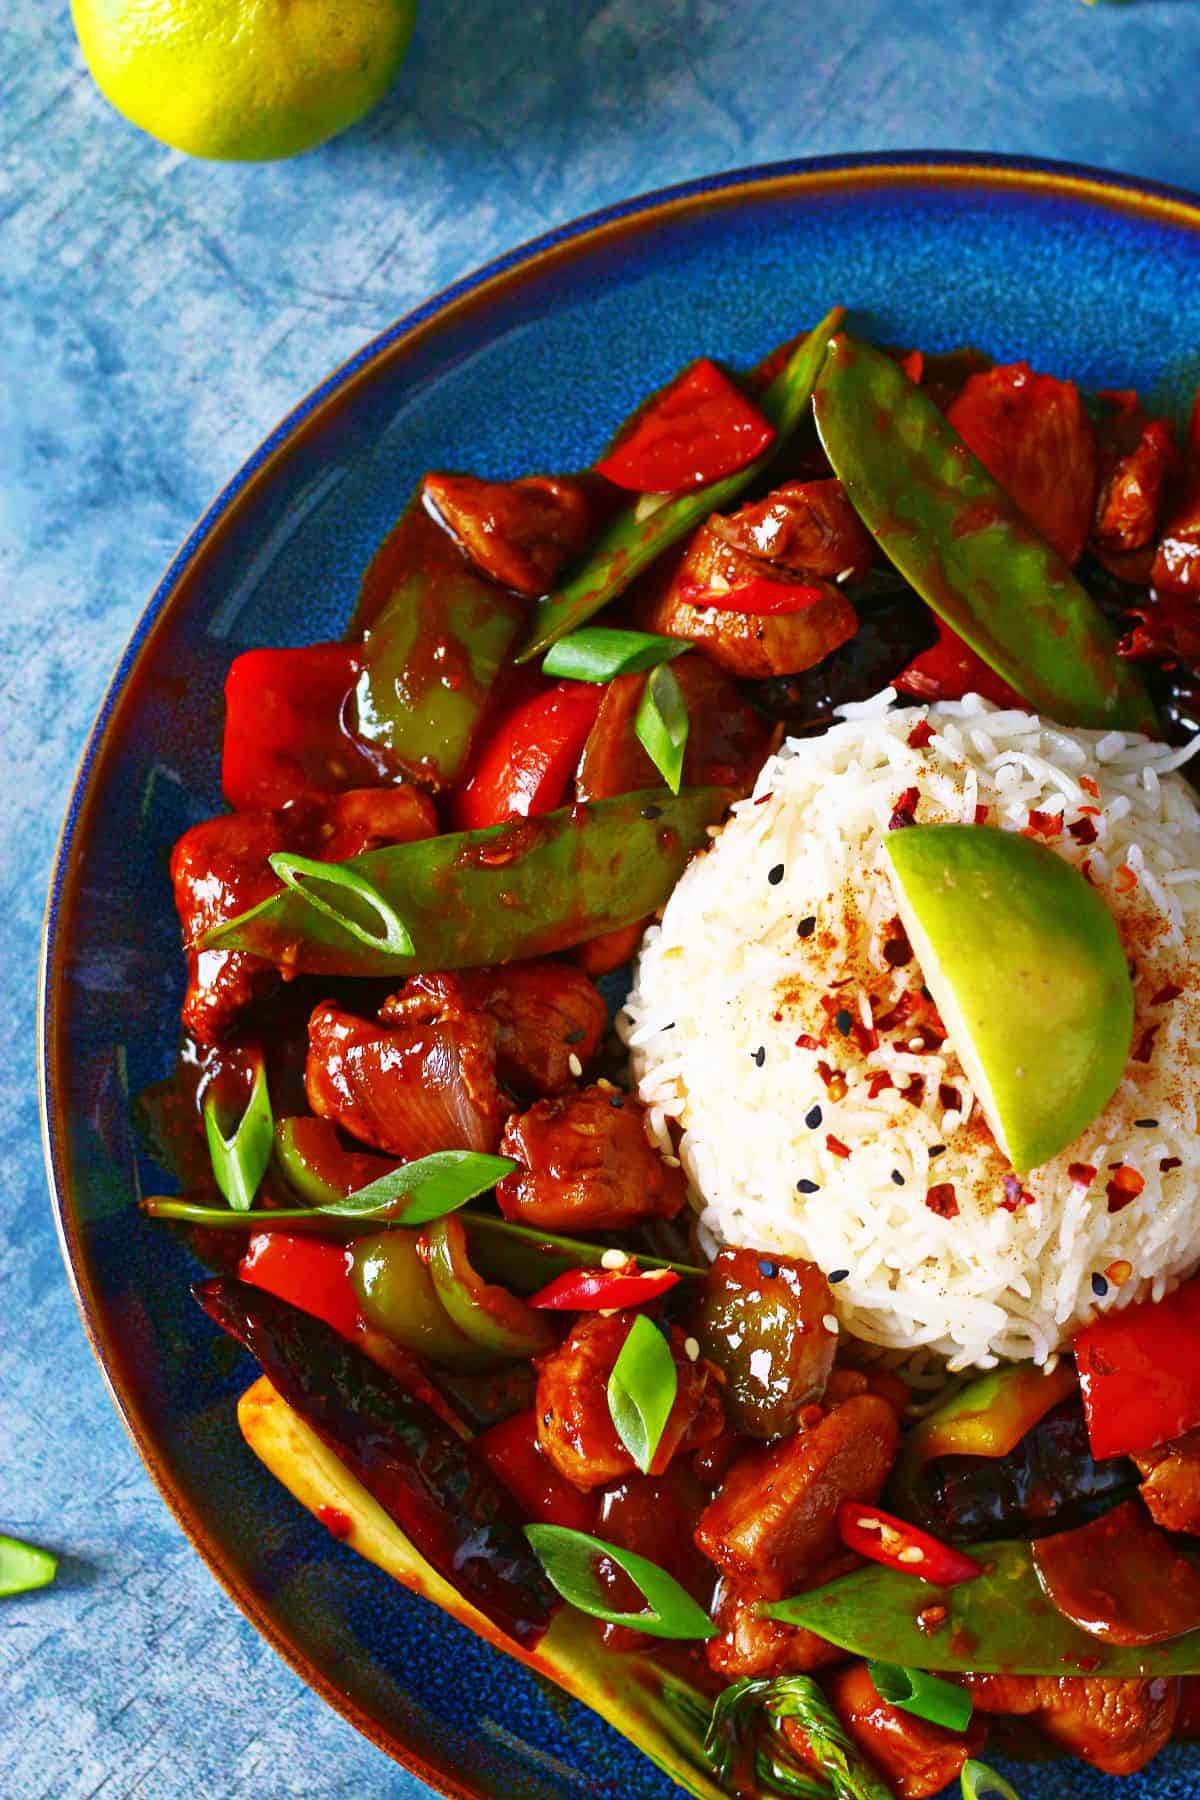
(812, 1117)
(805, 1186)
(775, 875)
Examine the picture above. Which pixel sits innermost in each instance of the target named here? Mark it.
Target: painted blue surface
(157, 317)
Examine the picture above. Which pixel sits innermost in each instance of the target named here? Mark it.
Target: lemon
(243, 80)
(1026, 968)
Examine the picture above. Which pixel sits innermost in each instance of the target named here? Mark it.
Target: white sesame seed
(614, 1259)
(606, 1086)
(672, 1162)
(574, 1064)
(916, 1043)
(608, 1312)
(830, 1323)
(1051, 1363)
(691, 1349)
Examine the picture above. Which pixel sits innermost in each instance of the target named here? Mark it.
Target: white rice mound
(728, 982)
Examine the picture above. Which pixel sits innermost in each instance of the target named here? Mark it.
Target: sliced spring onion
(427, 1189)
(355, 893)
(599, 653)
(926, 1696)
(661, 725)
(981, 1783)
(795, 1697)
(741, 1732)
(569, 1559)
(239, 1159)
(641, 1391)
(24, 1567)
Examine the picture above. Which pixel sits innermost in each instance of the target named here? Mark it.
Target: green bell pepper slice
(631, 540)
(435, 635)
(317, 1166)
(1000, 1623)
(397, 1296)
(955, 535)
(473, 898)
(486, 1314)
(990, 1416)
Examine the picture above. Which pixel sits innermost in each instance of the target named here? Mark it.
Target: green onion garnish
(981, 1783)
(430, 1188)
(24, 1567)
(927, 1696)
(661, 725)
(239, 1159)
(598, 653)
(641, 1391)
(569, 1559)
(309, 878)
(795, 1697)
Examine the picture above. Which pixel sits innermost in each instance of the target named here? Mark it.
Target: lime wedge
(1024, 964)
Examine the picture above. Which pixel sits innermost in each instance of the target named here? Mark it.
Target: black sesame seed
(775, 876)
(843, 1021)
(836, 1275)
(575, 1037)
(652, 812)
(935, 1150)
(760, 1056)
(616, 1101)
(1099, 1286)
(1147, 1124)
(806, 927)
(669, 1027)
(805, 1186)
(898, 1178)
(812, 1117)
(767, 1268)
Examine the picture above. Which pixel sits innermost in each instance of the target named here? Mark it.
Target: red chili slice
(700, 428)
(898, 1545)
(607, 1290)
(761, 596)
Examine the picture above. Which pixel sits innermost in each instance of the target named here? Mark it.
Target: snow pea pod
(435, 635)
(473, 898)
(954, 534)
(1001, 1622)
(634, 537)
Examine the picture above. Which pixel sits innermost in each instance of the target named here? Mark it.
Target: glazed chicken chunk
(587, 1165)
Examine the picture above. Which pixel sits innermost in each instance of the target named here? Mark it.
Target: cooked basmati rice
(777, 933)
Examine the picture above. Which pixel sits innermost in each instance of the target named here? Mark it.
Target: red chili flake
(920, 735)
(914, 1093)
(1169, 992)
(835, 1081)
(1085, 869)
(807, 1042)
(905, 810)
(930, 1618)
(981, 814)
(878, 1082)
(336, 1522)
(942, 1200)
(897, 951)
(1082, 1173)
(1044, 824)
(762, 799)
(835, 1145)
(1083, 831)
(1119, 1272)
(1089, 786)
(1143, 1050)
(865, 1036)
(1125, 879)
(1168, 1163)
(1125, 1186)
(1014, 1194)
(949, 1096)
(1090, 812)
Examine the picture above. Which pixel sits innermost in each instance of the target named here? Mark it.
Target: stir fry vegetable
(896, 1544)
(1139, 1372)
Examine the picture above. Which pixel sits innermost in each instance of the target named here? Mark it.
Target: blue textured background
(157, 317)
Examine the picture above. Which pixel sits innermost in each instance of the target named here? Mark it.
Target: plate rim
(475, 290)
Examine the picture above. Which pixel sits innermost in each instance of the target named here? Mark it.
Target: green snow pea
(954, 534)
(472, 898)
(435, 634)
(1000, 1623)
(632, 540)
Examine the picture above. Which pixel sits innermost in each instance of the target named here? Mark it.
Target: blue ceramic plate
(526, 365)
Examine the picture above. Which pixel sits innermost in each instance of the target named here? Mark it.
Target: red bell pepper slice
(284, 731)
(950, 668)
(525, 765)
(511, 1452)
(1139, 1372)
(312, 1275)
(898, 1545)
(604, 1290)
(699, 429)
(760, 596)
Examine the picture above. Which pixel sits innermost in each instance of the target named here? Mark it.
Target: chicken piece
(219, 869)
(363, 819)
(1176, 567)
(755, 644)
(805, 527)
(916, 1758)
(1032, 435)
(1116, 1725)
(844, 1383)
(410, 1090)
(520, 533)
(654, 1516)
(1138, 458)
(545, 1014)
(1171, 1483)
(575, 1428)
(775, 1517)
(588, 1165)
(727, 741)
(748, 1645)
